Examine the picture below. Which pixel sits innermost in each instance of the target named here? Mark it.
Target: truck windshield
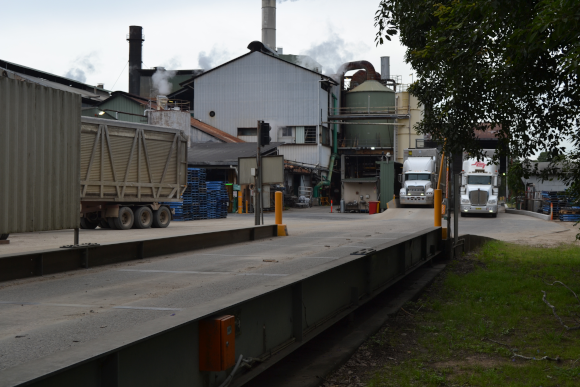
(479, 180)
(417, 176)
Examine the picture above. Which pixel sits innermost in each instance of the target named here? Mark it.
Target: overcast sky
(87, 41)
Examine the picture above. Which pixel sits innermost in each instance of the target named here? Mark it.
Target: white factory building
(260, 85)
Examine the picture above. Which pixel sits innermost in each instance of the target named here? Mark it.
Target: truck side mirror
(399, 177)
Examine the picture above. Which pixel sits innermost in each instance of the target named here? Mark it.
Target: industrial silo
(369, 98)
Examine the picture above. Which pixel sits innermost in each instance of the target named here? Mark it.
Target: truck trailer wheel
(161, 217)
(104, 223)
(111, 223)
(3, 237)
(143, 218)
(88, 224)
(125, 219)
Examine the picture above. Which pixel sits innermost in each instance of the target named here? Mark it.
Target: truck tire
(111, 223)
(104, 223)
(88, 224)
(125, 219)
(143, 218)
(161, 217)
(494, 215)
(3, 237)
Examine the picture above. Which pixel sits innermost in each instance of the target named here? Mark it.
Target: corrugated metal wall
(259, 87)
(123, 104)
(39, 157)
(387, 184)
(307, 154)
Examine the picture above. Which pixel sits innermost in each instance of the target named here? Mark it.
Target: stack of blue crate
(555, 200)
(196, 180)
(177, 207)
(217, 199)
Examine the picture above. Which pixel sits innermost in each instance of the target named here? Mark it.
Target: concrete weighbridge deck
(136, 323)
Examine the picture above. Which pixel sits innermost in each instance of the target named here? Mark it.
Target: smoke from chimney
(269, 24)
(161, 79)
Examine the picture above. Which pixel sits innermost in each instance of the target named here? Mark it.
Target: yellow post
(240, 203)
(278, 207)
(437, 207)
(282, 230)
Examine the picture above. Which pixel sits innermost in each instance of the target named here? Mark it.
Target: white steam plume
(334, 51)
(82, 66)
(213, 58)
(161, 82)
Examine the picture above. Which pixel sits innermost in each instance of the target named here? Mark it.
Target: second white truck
(479, 186)
(419, 178)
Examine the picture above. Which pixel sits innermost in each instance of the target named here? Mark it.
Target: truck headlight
(492, 201)
(464, 201)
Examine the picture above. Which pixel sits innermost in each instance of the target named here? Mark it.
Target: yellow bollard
(282, 229)
(278, 207)
(240, 203)
(437, 207)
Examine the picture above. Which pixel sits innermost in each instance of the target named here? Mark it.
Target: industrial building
(336, 132)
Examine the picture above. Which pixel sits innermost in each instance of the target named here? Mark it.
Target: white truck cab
(479, 187)
(418, 177)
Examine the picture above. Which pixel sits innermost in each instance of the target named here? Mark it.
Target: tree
(513, 63)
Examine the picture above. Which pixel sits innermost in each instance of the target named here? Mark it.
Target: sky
(87, 41)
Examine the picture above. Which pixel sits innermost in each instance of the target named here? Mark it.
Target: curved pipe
(356, 65)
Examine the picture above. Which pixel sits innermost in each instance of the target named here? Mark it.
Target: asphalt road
(41, 316)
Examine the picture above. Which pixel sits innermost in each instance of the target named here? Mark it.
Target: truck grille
(416, 191)
(478, 198)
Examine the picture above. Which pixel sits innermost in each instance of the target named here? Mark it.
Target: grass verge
(495, 293)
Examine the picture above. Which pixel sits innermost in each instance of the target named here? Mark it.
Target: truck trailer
(419, 177)
(129, 172)
(479, 186)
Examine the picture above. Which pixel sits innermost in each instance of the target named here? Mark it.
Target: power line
(113, 88)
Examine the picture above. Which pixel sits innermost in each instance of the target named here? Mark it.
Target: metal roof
(214, 132)
(52, 80)
(219, 154)
(371, 85)
(261, 52)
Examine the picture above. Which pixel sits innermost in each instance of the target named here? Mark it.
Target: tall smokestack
(135, 39)
(269, 24)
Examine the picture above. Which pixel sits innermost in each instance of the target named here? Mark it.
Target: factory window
(287, 131)
(325, 135)
(309, 135)
(247, 131)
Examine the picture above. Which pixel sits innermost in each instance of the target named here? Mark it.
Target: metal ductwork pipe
(135, 39)
(269, 24)
(356, 65)
(385, 67)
